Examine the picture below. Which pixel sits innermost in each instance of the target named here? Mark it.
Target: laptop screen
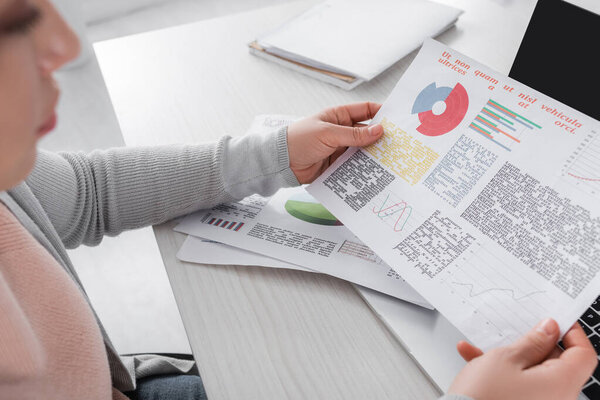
(559, 55)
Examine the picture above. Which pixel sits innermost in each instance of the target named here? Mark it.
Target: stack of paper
(293, 229)
(347, 42)
(451, 197)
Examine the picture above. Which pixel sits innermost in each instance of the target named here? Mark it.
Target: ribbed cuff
(257, 164)
(283, 157)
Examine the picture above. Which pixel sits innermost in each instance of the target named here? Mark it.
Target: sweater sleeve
(106, 192)
(455, 397)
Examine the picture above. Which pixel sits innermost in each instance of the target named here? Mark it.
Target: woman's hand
(531, 368)
(315, 142)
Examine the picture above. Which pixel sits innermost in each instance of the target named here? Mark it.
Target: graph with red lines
(396, 213)
(584, 178)
(582, 169)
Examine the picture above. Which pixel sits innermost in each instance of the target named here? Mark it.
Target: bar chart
(501, 125)
(223, 223)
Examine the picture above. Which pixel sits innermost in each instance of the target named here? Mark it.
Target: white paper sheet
(202, 251)
(330, 34)
(483, 194)
(293, 227)
(355, 262)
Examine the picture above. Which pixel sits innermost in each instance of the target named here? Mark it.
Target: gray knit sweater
(72, 198)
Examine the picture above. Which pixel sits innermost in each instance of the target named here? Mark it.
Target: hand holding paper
(531, 368)
(292, 226)
(315, 142)
(475, 196)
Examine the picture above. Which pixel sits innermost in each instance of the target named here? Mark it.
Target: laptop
(560, 41)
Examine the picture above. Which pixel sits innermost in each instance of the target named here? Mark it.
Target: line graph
(504, 297)
(396, 212)
(583, 178)
(511, 291)
(582, 168)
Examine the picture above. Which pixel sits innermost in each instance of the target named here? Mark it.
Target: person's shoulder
(21, 354)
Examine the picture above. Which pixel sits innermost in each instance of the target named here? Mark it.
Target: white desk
(258, 333)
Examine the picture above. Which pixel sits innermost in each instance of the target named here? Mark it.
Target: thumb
(467, 351)
(537, 344)
(348, 136)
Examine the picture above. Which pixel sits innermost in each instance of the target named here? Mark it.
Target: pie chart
(456, 103)
(306, 208)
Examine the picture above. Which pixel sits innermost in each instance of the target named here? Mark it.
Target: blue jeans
(169, 387)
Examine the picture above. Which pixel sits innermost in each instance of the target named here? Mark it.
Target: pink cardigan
(50, 344)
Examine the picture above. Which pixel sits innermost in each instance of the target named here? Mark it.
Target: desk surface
(268, 333)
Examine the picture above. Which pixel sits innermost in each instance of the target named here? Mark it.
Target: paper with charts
(292, 226)
(483, 194)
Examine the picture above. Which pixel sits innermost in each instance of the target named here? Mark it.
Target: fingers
(468, 351)
(351, 113)
(579, 357)
(555, 353)
(536, 345)
(576, 337)
(347, 136)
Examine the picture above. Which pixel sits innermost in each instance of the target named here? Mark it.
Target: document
(290, 229)
(483, 194)
(292, 226)
(326, 36)
(204, 251)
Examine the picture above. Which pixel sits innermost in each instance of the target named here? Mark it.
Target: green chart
(306, 208)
